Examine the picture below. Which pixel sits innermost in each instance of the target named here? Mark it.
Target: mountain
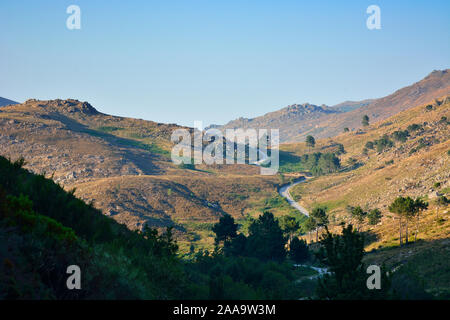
(290, 120)
(5, 102)
(407, 154)
(297, 121)
(123, 166)
(352, 105)
(48, 236)
(435, 85)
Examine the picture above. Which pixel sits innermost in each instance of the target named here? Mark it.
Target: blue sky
(180, 61)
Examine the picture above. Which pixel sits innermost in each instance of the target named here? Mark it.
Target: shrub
(414, 127)
(369, 145)
(383, 143)
(400, 136)
(298, 250)
(374, 216)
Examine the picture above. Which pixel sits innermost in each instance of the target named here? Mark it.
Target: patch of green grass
(237, 196)
(276, 201)
(108, 129)
(331, 205)
(95, 133)
(152, 147)
(290, 162)
(245, 223)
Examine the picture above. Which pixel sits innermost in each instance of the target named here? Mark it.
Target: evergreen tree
(374, 216)
(319, 214)
(310, 141)
(358, 214)
(266, 240)
(290, 226)
(365, 120)
(225, 229)
(404, 209)
(347, 274)
(310, 225)
(298, 250)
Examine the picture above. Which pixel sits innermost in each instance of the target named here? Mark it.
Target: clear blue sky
(180, 61)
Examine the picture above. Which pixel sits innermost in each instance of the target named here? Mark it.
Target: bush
(400, 136)
(414, 127)
(298, 250)
(374, 216)
(383, 143)
(369, 145)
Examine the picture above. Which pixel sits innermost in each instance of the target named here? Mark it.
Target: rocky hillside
(405, 155)
(123, 166)
(297, 121)
(352, 105)
(289, 119)
(72, 141)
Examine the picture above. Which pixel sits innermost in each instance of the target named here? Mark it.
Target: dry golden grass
(379, 181)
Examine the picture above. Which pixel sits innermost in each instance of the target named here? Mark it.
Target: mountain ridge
(6, 102)
(348, 114)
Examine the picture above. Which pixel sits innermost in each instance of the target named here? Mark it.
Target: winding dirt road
(284, 192)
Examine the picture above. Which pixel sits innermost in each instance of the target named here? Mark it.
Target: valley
(122, 167)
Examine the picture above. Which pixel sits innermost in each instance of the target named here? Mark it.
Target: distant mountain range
(299, 120)
(352, 105)
(5, 102)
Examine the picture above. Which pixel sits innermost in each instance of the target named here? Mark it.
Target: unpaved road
(284, 192)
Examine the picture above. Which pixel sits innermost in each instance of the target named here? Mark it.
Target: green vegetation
(383, 143)
(347, 279)
(374, 216)
(318, 219)
(189, 166)
(370, 145)
(358, 214)
(108, 129)
(365, 120)
(340, 149)
(225, 230)
(414, 127)
(400, 136)
(407, 210)
(152, 147)
(252, 266)
(310, 141)
(48, 229)
(317, 163)
(298, 250)
(44, 229)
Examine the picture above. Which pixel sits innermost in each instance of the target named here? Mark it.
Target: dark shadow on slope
(131, 149)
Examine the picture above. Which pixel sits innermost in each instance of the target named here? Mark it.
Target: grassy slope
(385, 176)
(123, 166)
